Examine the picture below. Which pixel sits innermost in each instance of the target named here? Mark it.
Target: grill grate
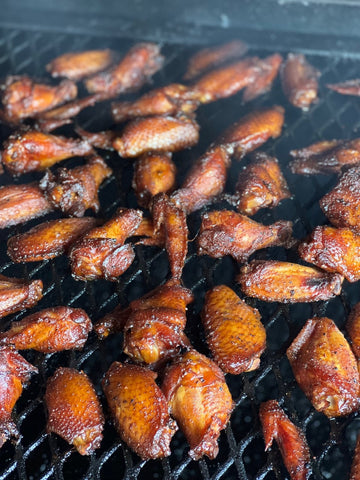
(40, 456)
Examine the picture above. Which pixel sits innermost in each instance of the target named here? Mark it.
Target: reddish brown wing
(18, 294)
(350, 87)
(234, 332)
(292, 442)
(325, 368)
(199, 400)
(265, 74)
(74, 410)
(274, 281)
(79, 65)
(50, 330)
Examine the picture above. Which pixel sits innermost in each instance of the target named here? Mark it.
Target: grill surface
(41, 456)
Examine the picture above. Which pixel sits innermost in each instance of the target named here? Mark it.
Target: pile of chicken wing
(165, 384)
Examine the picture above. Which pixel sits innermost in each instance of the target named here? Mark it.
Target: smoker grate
(40, 456)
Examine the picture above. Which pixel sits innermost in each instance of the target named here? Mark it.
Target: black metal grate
(40, 456)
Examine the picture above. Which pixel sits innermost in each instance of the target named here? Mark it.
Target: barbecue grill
(27, 43)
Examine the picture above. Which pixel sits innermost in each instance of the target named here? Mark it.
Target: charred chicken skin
(299, 81)
(78, 65)
(225, 232)
(23, 98)
(199, 400)
(341, 205)
(327, 156)
(292, 442)
(50, 330)
(353, 329)
(153, 331)
(48, 240)
(325, 368)
(74, 410)
(133, 71)
(18, 294)
(140, 410)
(234, 332)
(334, 250)
(208, 58)
(274, 281)
(74, 191)
(349, 87)
(34, 151)
(15, 372)
(153, 173)
(101, 252)
(260, 184)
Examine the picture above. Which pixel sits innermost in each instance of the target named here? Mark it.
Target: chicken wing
(205, 180)
(341, 205)
(49, 239)
(133, 71)
(23, 98)
(140, 410)
(211, 57)
(328, 156)
(252, 131)
(234, 332)
(274, 281)
(15, 372)
(265, 74)
(325, 368)
(299, 81)
(353, 329)
(199, 400)
(74, 191)
(153, 331)
(334, 250)
(260, 184)
(153, 174)
(291, 440)
(74, 410)
(158, 134)
(355, 466)
(349, 87)
(79, 65)
(50, 330)
(223, 232)
(112, 322)
(34, 151)
(101, 252)
(18, 294)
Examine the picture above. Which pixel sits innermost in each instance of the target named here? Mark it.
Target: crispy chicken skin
(328, 156)
(290, 439)
(265, 74)
(101, 252)
(199, 400)
(50, 330)
(74, 410)
(299, 81)
(355, 466)
(325, 368)
(78, 65)
(15, 371)
(156, 134)
(139, 409)
(167, 100)
(21, 203)
(153, 173)
(205, 180)
(334, 250)
(48, 240)
(23, 98)
(341, 204)
(274, 281)
(260, 184)
(234, 332)
(353, 329)
(133, 71)
(223, 232)
(74, 191)
(34, 151)
(349, 87)
(252, 131)
(18, 294)
(211, 57)
(153, 331)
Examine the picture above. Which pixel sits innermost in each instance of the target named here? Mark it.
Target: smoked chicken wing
(349, 87)
(265, 73)
(18, 294)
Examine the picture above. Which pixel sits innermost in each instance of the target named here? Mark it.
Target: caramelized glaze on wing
(18, 294)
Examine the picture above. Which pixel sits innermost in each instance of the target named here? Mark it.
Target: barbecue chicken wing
(265, 74)
(18, 294)
(349, 87)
